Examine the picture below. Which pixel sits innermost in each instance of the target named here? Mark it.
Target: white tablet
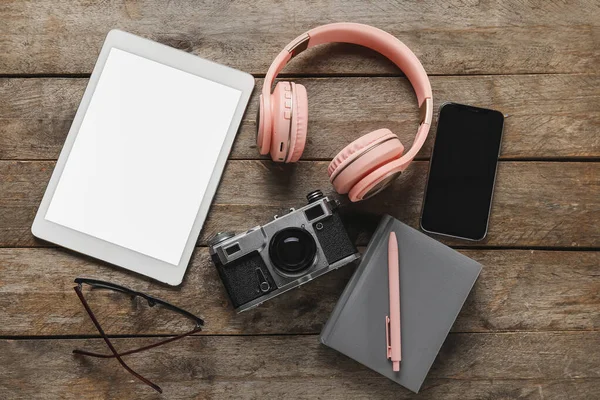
(144, 156)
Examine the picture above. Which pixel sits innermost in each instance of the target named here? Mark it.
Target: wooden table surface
(530, 328)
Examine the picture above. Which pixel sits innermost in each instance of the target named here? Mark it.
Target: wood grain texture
(547, 116)
(536, 204)
(469, 366)
(530, 328)
(452, 37)
(517, 290)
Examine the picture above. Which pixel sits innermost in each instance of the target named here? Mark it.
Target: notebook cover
(434, 283)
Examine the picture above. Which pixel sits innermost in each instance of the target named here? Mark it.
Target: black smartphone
(462, 171)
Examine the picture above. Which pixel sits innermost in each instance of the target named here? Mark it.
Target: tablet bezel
(112, 253)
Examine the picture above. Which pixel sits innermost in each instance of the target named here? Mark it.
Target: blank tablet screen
(144, 155)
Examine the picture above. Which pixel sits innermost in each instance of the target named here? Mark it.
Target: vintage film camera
(289, 251)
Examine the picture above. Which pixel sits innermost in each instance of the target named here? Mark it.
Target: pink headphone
(369, 164)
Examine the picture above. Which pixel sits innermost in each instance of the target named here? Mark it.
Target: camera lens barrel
(292, 250)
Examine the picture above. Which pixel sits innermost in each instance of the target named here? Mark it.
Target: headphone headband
(377, 40)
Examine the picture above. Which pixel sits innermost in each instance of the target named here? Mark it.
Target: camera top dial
(220, 237)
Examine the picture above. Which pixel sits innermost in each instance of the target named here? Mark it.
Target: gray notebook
(434, 283)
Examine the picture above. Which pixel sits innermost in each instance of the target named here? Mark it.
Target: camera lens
(292, 250)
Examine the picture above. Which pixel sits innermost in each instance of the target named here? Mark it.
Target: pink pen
(392, 322)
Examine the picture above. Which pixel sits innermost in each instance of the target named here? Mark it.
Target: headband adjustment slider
(426, 111)
(298, 45)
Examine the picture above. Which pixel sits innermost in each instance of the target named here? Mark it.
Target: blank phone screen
(143, 156)
(462, 172)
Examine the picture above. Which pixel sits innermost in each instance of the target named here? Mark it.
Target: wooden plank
(524, 365)
(456, 37)
(536, 204)
(517, 291)
(548, 116)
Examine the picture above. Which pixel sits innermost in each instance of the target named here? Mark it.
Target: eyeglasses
(152, 301)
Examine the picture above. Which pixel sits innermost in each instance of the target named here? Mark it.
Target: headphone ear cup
(281, 117)
(363, 156)
(299, 121)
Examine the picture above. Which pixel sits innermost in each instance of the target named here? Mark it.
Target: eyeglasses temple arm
(126, 353)
(109, 344)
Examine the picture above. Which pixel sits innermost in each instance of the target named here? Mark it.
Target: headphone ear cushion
(362, 157)
(375, 181)
(299, 122)
(263, 138)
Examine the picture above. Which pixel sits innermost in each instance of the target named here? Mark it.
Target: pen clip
(387, 338)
